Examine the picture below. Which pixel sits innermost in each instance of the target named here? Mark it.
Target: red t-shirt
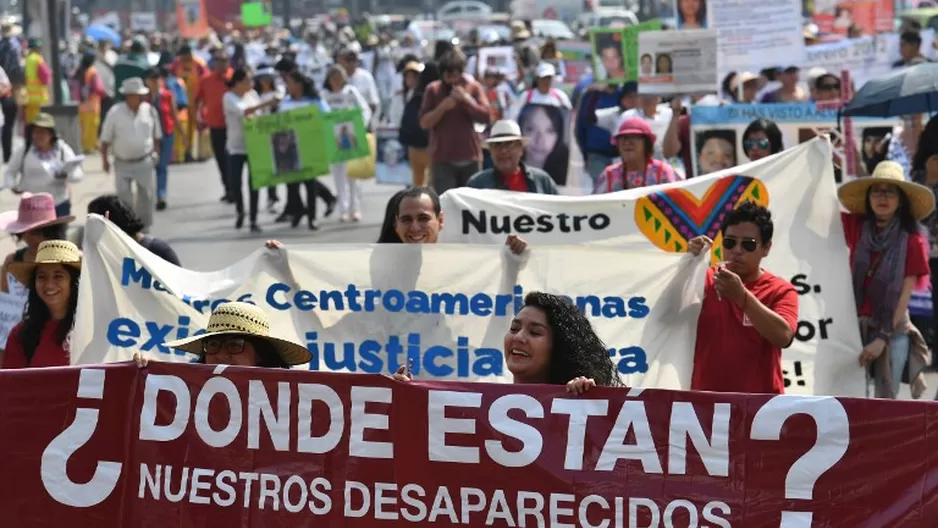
(516, 182)
(916, 255)
(48, 353)
(211, 91)
(731, 355)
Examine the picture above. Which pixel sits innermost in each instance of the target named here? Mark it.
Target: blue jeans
(595, 165)
(63, 209)
(899, 345)
(166, 152)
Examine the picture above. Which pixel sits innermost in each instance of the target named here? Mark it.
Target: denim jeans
(899, 345)
(63, 209)
(166, 152)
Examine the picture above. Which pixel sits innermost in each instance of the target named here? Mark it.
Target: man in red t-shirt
(748, 315)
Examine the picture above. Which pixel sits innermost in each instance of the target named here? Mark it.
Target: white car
(463, 10)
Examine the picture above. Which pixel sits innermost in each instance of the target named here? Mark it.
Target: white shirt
(131, 135)
(234, 107)
(553, 97)
(34, 174)
(365, 84)
(347, 97)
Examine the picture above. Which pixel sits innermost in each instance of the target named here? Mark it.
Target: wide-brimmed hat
(504, 131)
(634, 126)
(44, 120)
(238, 318)
(853, 194)
(35, 211)
(134, 86)
(49, 252)
(413, 66)
(746, 77)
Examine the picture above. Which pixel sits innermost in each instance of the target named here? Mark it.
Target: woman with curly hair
(551, 342)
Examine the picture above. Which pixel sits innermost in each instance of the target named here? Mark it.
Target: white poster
(866, 58)
(808, 247)
(501, 58)
(141, 21)
(677, 62)
(756, 35)
(369, 308)
(391, 164)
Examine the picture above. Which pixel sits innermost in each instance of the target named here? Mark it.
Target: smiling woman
(40, 340)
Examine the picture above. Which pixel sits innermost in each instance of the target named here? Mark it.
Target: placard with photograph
(286, 147)
(678, 62)
(391, 167)
(501, 58)
(346, 136)
(548, 148)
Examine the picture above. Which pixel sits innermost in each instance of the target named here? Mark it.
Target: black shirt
(160, 248)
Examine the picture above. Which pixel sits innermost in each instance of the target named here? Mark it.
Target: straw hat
(853, 194)
(134, 86)
(238, 318)
(413, 66)
(49, 252)
(504, 131)
(44, 120)
(35, 211)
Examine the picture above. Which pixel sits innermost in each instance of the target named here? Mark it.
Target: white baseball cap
(546, 69)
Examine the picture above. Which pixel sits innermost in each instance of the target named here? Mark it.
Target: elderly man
(132, 130)
(506, 144)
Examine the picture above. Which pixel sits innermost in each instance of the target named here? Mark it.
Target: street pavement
(201, 229)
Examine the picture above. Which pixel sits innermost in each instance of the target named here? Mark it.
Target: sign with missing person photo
(287, 147)
(615, 51)
(345, 136)
(677, 62)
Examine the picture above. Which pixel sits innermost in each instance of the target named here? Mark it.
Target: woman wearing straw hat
(40, 339)
(239, 334)
(34, 222)
(888, 258)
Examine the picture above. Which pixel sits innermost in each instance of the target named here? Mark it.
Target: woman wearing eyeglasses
(888, 260)
(761, 139)
(239, 334)
(748, 314)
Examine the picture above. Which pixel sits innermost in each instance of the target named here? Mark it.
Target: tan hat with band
(853, 194)
(49, 252)
(243, 319)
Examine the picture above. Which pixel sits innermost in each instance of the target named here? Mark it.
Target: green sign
(287, 147)
(615, 52)
(349, 137)
(255, 14)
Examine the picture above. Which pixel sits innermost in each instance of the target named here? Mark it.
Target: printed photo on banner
(392, 166)
(349, 138)
(548, 147)
(610, 62)
(677, 62)
(796, 122)
(499, 58)
(691, 14)
(287, 147)
(192, 18)
(796, 185)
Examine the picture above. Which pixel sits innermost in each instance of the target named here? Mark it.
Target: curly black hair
(118, 212)
(36, 315)
(753, 213)
(577, 350)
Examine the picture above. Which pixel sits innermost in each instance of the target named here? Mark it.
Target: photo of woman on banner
(873, 146)
(392, 166)
(609, 59)
(663, 63)
(691, 14)
(286, 154)
(546, 128)
(344, 136)
(716, 150)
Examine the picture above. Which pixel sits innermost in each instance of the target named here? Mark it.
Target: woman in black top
(118, 212)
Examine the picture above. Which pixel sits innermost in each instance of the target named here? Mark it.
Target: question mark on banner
(833, 438)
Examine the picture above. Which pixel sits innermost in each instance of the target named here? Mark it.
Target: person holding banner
(41, 338)
(639, 167)
(888, 259)
(550, 341)
(748, 314)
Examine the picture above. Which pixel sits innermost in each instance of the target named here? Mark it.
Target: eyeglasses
(230, 346)
(884, 193)
(829, 86)
(748, 244)
(749, 144)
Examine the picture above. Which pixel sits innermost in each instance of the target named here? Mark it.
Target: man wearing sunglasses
(748, 315)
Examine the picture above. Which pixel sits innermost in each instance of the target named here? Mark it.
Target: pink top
(44, 73)
(615, 178)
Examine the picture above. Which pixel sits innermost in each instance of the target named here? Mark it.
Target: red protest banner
(192, 446)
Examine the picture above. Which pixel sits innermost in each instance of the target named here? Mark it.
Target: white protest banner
(807, 248)
(718, 132)
(369, 308)
(677, 62)
(866, 58)
(756, 35)
(142, 21)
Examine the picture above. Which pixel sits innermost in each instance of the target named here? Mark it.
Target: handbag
(364, 168)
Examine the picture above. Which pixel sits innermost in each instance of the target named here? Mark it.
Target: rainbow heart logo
(670, 218)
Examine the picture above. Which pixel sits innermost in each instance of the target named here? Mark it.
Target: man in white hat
(509, 173)
(132, 131)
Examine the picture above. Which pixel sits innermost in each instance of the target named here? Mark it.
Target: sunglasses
(829, 87)
(231, 346)
(749, 144)
(748, 244)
